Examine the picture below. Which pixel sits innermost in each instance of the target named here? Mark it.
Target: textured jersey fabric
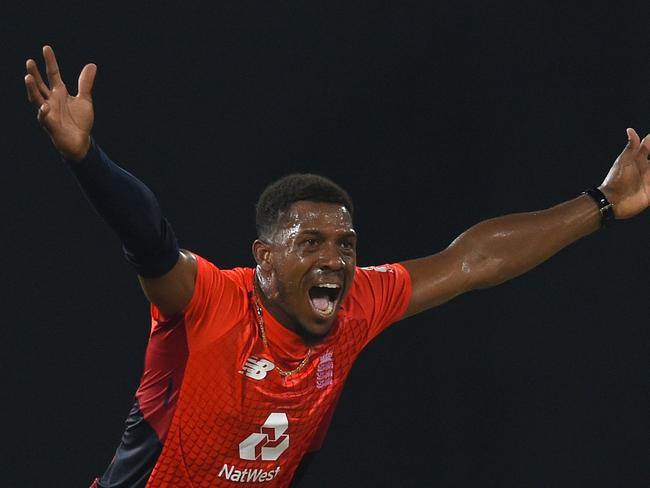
(212, 409)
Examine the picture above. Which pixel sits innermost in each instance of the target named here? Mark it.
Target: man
(244, 366)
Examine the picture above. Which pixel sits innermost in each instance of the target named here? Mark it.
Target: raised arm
(502, 248)
(128, 206)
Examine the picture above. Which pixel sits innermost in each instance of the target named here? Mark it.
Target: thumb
(86, 81)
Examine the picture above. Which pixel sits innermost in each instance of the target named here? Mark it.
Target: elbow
(481, 270)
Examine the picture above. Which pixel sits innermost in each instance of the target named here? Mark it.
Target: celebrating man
(244, 366)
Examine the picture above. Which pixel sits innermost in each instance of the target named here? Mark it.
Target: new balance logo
(257, 368)
(270, 442)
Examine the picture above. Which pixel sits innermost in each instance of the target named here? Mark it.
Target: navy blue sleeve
(132, 211)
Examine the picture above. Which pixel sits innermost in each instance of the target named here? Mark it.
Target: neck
(263, 290)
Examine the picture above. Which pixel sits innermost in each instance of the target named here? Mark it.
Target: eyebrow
(316, 232)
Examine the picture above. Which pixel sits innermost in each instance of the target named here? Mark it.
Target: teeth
(328, 285)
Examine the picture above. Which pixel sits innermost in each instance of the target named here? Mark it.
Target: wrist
(80, 153)
(606, 206)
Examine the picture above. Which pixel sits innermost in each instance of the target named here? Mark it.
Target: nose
(330, 258)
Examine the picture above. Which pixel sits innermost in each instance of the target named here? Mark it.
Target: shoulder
(372, 283)
(220, 302)
(215, 277)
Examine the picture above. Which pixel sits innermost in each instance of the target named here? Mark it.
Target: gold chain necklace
(260, 322)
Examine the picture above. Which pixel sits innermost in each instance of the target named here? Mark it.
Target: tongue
(320, 303)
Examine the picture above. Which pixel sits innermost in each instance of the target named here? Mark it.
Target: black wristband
(605, 208)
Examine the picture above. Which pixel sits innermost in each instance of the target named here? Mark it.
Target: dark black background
(434, 115)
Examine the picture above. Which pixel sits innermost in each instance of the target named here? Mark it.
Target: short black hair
(281, 194)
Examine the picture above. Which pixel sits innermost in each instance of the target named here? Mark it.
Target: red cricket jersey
(212, 409)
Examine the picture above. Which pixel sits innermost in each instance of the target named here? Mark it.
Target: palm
(67, 119)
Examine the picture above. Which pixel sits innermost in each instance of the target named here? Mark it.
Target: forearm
(502, 248)
(132, 211)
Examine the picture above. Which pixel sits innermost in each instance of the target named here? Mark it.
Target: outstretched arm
(502, 248)
(127, 205)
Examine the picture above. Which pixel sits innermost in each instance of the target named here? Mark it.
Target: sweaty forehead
(305, 215)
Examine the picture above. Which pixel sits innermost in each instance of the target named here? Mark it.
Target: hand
(68, 120)
(627, 185)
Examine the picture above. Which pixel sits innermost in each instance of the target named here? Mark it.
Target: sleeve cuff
(93, 154)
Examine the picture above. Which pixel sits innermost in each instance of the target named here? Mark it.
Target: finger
(33, 93)
(86, 80)
(644, 148)
(32, 69)
(42, 112)
(52, 67)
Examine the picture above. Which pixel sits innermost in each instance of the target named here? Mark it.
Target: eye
(348, 245)
(311, 242)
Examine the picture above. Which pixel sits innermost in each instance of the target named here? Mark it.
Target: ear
(262, 254)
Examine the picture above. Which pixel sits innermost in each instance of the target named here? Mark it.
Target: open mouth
(324, 298)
